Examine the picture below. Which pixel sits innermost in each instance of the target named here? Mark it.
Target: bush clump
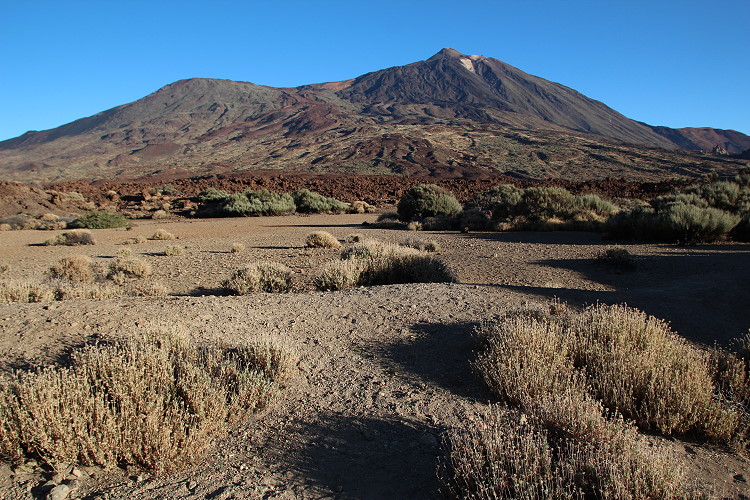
(72, 238)
(162, 235)
(260, 277)
(77, 268)
(573, 379)
(375, 263)
(218, 203)
(99, 220)
(427, 200)
(156, 402)
(322, 239)
(308, 202)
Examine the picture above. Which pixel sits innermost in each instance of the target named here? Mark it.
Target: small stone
(191, 485)
(59, 492)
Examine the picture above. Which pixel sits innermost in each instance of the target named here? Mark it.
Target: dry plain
(384, 371)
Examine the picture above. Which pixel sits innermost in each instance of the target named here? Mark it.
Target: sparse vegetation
(72, 238)
(24, 291)
(260, 277)
(321, 239)
(162, 235)
(237, 248)
(99, 220)
(422, 245)
(157, 402)
(217, 203)
(135, 240)
(354, 238)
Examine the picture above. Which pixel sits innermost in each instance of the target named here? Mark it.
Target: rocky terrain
(453, 115)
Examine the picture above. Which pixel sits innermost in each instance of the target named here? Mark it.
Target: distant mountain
(451, 115)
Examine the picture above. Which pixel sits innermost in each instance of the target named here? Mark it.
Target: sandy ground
(384, 371)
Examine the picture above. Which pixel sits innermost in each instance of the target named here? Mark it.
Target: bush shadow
(358, 457)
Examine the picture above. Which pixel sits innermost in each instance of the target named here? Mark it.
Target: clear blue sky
(678, 63)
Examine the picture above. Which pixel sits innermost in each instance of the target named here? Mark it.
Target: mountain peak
(447, 53)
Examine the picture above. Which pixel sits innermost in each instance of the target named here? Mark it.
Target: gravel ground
(384, 371)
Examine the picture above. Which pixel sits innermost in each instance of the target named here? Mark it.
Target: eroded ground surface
(383, 371)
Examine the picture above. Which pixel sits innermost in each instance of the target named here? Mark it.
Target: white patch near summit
(468, 64)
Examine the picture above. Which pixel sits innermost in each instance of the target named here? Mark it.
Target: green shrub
(212, 195)
(547, 202)
(165, 190)
(309, 202)
(729, 196)
(156, 402)
(617, 257)
(427, 200)
(596, 205)
(474, 219)
(421, 245)
(502, 200)
(99, 220)
(741, 231)
(690, 224)
(260, 277)
(216, 203)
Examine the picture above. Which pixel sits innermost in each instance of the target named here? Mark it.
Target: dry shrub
(505, 454)
(72, 238)
(156, 402)
(422, 245)
(616, 257)
(25, 291)
(5, 227)
(378, 263)
(321, 239)
(174, 250)
(338, 275)
(147, 288)
(66, 290)
(354, 238)
(161, 214)
(4, 268)
(123, 269)
(134, 240)
(124, 253)
(572, 376)
(77, 268)
(361, 207)
(162, 234)
(260, 277)
(49, 217)
(237, 248)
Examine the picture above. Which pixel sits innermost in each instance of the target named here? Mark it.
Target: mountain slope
(430, 117)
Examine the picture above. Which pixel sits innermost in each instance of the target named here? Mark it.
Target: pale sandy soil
(384, 371)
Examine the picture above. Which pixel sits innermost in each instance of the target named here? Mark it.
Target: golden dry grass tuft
(72, 238)
(237, 248)
(25, 291)
(77, 268)
(260, 277)
(163, 235)
(156, 402)
(173, 250)
(321, 239)
(123, 269)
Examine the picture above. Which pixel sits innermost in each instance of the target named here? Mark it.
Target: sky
(679, 63)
